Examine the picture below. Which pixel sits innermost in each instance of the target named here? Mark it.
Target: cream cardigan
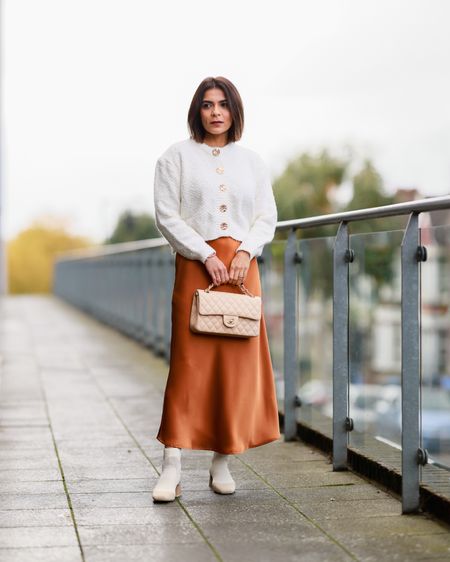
(202, 193)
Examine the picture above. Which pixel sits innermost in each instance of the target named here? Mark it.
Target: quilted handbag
(225, 314)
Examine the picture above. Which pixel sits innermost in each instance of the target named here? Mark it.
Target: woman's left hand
(239, 267)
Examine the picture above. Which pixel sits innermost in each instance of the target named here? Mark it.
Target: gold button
(223, 226)
(220, 170)
(215, 151)
(222, 187)
(223, 208)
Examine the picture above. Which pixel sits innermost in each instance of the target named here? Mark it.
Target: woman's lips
(216, 122)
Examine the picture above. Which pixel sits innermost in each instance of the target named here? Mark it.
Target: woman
(215, 206)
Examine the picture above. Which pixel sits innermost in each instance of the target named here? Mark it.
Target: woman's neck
(216, 140)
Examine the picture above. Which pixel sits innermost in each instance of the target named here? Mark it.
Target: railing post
(290, 337)
(340, 347)
(410, 366)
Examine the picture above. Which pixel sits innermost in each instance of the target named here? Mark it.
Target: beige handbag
(225, 314)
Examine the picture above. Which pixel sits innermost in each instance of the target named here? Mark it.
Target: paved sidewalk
(79, 408)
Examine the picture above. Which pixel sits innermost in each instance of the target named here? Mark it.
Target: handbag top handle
(241, 286)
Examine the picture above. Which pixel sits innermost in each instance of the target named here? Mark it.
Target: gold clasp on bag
(230, 321)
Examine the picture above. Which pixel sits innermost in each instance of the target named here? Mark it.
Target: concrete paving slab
(30, 475)
(104, 457)
(14, 537)
(19, 454)
(332, 493)
(43, 462)
(180, 531)
(162, 514)
(111, 485)
(113, 499)
(89, 443)
(297, 467)
(25, 445)
(32, 487)
(24, 433)
(101, 472)
(324, 478)
(383, 526)
(46, 554)
(401, 548)
(282, 451)
(32, 501)
(276, 513)
(156, 553)
(209, 499)
(308, 549)
(51, 517)
(362, 508)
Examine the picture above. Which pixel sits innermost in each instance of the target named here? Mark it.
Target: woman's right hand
(217, 270)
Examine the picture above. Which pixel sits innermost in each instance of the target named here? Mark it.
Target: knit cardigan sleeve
(264, 223)
(167, 199)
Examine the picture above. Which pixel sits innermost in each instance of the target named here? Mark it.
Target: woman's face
(215, 113)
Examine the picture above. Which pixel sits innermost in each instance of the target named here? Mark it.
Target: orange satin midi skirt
(220, 391)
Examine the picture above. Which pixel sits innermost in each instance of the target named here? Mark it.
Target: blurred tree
(376, 253)
(307, 188)
(31, 253)
(368, 191)
(303, 189)
(132, 227)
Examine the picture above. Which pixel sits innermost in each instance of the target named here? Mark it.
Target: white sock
(219, 469)
(171, 469)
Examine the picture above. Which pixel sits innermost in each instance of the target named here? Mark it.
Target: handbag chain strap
(241, 286)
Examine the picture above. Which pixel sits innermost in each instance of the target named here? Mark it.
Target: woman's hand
(217, 270)
(239, 267)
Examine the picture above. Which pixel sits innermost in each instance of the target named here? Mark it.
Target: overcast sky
(93, 91)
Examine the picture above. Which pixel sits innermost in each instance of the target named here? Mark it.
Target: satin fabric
(220, 391)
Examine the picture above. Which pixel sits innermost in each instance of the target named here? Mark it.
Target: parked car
(435, 419)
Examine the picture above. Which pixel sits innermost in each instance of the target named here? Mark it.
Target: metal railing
(129, 287)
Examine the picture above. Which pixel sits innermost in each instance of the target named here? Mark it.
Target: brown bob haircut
(235, 105)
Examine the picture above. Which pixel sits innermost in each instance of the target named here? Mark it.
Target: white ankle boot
(168, 486)
(220, 479)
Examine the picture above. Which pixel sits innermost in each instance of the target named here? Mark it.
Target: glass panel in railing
(272, 290)
(315, 333)
(375, 345)
(435, 357)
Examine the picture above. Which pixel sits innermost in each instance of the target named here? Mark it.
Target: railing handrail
(420, 205)
(109, 249)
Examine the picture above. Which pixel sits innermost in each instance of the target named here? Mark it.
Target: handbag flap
(230, 304)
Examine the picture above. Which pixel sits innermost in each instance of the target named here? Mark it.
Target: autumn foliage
(31, 253)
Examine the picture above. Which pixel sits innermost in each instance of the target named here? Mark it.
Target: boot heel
(178, 491)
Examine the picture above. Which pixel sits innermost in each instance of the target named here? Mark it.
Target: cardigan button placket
(222, 188)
